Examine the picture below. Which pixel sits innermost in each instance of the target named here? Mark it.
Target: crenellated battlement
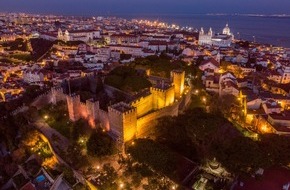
(121, 118)
(122, 108)
(161, 89)
(178, 72)
(178, 79)
(82, 103)
(73, 96)
(140, 99)
(57, 89)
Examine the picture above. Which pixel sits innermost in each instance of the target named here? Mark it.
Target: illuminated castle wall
(125, 121)
(77, 109)
(178, 81)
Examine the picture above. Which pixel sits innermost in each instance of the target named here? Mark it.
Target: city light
(174, 76)
(265, 129)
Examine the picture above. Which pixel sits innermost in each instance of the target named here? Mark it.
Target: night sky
(115, 7)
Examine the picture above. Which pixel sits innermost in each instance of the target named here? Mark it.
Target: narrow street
(61, 143)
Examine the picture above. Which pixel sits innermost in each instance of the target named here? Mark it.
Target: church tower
(66, 36)
(178, 78)
(210, 32)
(218, 58)
(201, 32)
(59, 34)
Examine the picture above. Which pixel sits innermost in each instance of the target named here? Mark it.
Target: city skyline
(114, 7)
(137, 94)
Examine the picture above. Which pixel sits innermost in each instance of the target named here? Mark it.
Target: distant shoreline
(265, 28)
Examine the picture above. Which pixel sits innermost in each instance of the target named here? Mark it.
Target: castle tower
(57, 95)
(123, 121)
(93, 108)
(162, 95)
(178, 78)
(73, 104)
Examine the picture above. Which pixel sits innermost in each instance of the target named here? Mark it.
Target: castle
(126, 120)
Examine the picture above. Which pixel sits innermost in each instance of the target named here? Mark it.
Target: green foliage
(75, 157)
(155, 155)
(226, 105)
(163, 65)
(58, 118)
(159, 66)
(202, 136)
(107, 179)
(18, 45)
(189, 133)
(68, 175)
(22, 57)
(126, 78)
(157, 184)
(100, 144)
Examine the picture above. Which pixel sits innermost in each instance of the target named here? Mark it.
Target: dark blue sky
(116, 7)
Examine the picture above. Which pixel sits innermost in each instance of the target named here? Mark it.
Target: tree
(74, 156)
(242, 155)
(155, 155)
(107, 178)
(227, 104)
(68, 175)
(100, 144)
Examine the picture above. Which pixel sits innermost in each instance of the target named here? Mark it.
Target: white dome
(227, 30)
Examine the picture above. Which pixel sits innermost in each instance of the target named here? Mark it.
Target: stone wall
(104, 119)
(146, 123)
(162, 98)
(143, 105)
